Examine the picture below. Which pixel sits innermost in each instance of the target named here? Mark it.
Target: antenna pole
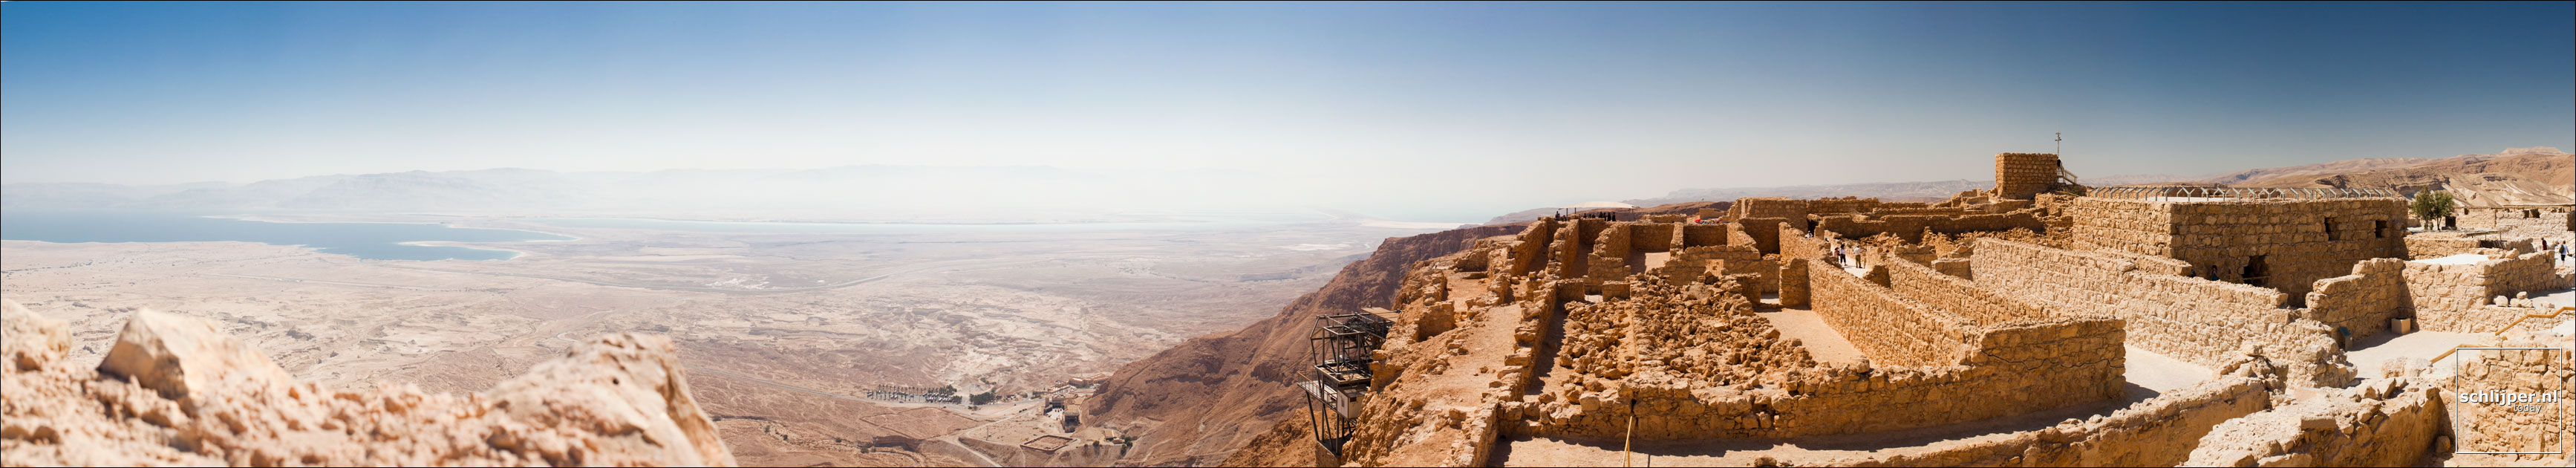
(2061, 144)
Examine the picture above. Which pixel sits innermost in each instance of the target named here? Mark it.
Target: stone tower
(2020, 175)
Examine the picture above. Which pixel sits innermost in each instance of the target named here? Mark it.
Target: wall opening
(2255, 271)
(2331, 235)
(2380, 228)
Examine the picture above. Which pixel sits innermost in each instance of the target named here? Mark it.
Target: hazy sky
(1567, 101)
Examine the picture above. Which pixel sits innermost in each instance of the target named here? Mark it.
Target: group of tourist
(1844, 256)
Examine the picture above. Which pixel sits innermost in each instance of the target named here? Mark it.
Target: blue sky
(1578, 101)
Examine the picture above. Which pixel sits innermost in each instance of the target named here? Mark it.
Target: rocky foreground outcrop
(174, 390)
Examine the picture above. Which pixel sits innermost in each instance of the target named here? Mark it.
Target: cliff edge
(1196, 403)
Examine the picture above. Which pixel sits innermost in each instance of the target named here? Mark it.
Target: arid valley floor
(789, 337)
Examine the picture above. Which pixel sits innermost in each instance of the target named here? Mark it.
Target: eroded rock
(175, 391)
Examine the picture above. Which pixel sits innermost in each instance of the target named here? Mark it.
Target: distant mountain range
(2337, 167)
(2519, 176)
(927, 193)
(1889, 191)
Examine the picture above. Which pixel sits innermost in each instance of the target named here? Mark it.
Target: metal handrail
(2242, 192)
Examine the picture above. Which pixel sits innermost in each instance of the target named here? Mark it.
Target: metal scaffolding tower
(1341, 348)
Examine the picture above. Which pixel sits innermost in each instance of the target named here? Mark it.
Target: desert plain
(806, 346)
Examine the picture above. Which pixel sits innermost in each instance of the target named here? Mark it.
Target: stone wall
(2018, 176)
(1959, 297)
(1911, 227)
(1479, 254)
(2531, 271)
(2513, 218)
(2421, 246)
(1849, 205)
(2484, 423)
(2161, 431)
(1766, 207)
(2446, 297)
(1695, 235)
(2011, 369)
(2296, 241)
(1567, 257)
(2388, 422)
(1796, 209)
(1953, 211)
(2152, 264)
(2200, 321)
(1467, 432)
(2107, 225)
(1761, 233)
(1525, 253)
(1793, 283)
(1911, 253)
(2015, 369)
(1609, 254)
(1956, 267)
(1798, 243)
(1652, 236)
(2302, 240)
(2362, 302)
(1890, 329)
(1691, 263)
(2484, 319)
(1698, 365)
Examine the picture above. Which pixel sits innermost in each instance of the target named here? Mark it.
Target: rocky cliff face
(175, 391)
(1199, 401)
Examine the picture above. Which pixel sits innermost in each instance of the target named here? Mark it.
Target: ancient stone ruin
(175, 391)
(2038, 323)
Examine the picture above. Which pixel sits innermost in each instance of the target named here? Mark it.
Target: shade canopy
(1601, 204)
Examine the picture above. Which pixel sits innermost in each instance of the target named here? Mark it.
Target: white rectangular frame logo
(2562, 395)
